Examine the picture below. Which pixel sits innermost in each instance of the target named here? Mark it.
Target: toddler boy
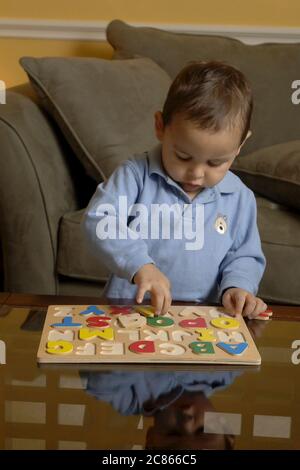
(140, 222)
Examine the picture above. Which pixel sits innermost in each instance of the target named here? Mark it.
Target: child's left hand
(240, 301)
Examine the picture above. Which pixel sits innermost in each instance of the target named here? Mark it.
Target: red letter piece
(142, 347)
(117, 310)
(193, 323)
(100, 322)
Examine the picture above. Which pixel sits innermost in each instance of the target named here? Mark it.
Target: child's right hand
(150, 278)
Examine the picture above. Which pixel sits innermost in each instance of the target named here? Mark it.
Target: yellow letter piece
(59, 347)
(205, 334)
(225, 322)
(146, 311)
(86, 334)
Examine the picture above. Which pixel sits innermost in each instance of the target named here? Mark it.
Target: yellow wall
(246, 12)
(230, 12)
(12, 49)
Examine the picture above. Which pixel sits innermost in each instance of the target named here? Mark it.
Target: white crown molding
(95, 30)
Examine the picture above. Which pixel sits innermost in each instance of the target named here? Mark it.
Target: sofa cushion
(273, 172)
(73, 258)
(269, 67)
(279, 229)
(105, 108)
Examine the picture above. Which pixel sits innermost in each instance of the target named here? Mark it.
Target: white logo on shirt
(221, 224)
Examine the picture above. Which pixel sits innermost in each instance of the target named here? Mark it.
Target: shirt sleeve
(105, 224)
(244, 264)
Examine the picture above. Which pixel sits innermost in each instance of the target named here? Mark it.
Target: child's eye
(215, 164)
(182, 158)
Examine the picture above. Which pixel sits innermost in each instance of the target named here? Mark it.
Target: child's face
(195, 158)
(181, 425)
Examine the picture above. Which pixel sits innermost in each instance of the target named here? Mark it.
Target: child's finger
(167, 303)
(142, 289)
(239, 300)
(249, 307)
(228, 303)
(157, 300)
(259, 308)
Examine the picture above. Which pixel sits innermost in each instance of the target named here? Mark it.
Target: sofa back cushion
(273, 172)
(105, 108)
(270, 68)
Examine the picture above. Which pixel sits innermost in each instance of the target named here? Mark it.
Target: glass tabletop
(142, 407)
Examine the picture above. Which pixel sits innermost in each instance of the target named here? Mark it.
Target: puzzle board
(132, 334)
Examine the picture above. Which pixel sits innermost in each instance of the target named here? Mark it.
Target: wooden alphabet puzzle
(133, 334)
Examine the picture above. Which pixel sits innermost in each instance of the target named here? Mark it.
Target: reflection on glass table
(179, 402)
(155, 407)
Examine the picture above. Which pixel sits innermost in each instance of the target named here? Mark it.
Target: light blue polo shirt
(148, 392)
(226, 248)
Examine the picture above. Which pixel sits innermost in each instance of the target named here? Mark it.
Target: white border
(95, 30)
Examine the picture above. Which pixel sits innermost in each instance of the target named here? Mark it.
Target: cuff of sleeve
(236, 281)
(134, 264)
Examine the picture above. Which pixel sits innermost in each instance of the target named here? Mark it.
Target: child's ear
(159, 125)
(249, 133)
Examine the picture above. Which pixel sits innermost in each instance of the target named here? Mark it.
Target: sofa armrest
(37, 186)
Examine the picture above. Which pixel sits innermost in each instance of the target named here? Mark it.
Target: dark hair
(213, 95)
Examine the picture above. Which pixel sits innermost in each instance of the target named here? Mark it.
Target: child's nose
(197, 172)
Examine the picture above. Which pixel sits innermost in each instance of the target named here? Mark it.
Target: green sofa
(45, 184)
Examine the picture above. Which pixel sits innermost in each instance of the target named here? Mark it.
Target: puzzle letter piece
(171, 349)
(226, 323)
(261, 318)
(190, 311)
(67, 322)
(88, 349)
(63, 311)
(159, 321)
(205, 334)
(161, 335)
(266, 315)
(233, 349)
(120, 310)
(202, 347)
(193, 323)
(92, 310)
(100, 322)
(269, 312)
(59, 347)
(142, 347)
(133, 335)
(55, 335)
(132, 320)
(86, 334)
(113, 349)
(178, 335)
(215, 313)
(230, 337)
(146, 311)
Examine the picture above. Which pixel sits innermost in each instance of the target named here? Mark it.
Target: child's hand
(150, 278)
(236, 301)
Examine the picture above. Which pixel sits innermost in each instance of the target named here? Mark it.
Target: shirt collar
(227, 185)
(155, 164)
